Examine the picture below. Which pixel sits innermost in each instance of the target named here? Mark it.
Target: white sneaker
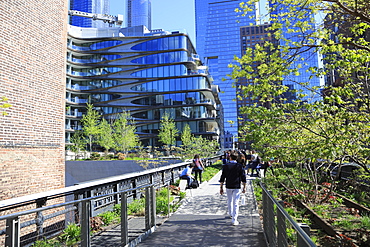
(235, 223)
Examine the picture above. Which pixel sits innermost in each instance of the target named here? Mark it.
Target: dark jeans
(187, 178)
(254, 168)
(196, 173)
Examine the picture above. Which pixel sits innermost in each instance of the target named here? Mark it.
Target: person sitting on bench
(186, 174)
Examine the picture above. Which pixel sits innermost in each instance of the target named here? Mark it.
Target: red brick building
(33, 37)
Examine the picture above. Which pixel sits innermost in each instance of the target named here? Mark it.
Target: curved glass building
(148, 73)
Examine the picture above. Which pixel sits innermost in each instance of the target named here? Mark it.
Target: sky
(170, 15)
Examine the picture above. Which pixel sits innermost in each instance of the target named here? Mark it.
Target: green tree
(4, 105)
(187, 139)
(124, 134)
(105, 138)
(78, 141)
(330, 123)
(167, 131)
(90, 124)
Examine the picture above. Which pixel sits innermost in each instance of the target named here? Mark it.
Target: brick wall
(33, 38)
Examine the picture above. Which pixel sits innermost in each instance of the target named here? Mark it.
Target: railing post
(281, 228)
(154, 207)
(147, 209)
(269, 219)
(85, 223)
(40, 217)
(306, 229)
(12, 238)
(168, 200)
(124, 221)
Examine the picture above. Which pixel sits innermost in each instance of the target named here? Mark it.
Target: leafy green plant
(365, 222)
(46, 243)
(71, 235)
(110, 217)
(136, 207)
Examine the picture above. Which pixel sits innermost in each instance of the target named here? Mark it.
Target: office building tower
(148, 73)
(222, 34)
(218, 41)
(139, 13)
(89, 6)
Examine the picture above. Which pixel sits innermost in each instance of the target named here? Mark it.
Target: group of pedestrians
(251, 162)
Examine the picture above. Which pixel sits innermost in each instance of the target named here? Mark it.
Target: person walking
(255, 160)
(234, 174)
(198, 168)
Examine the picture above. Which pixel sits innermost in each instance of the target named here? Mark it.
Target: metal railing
(276, 222)
(45, 215)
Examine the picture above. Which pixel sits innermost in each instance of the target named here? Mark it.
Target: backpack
(194, 184)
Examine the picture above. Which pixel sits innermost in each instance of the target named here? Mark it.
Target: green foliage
(95, 156)
(105, 137)
(124, 133)
(90, 122)
(46, 243)
(136, 207)
(329, 122)
(78, 141)
(110, 217)
(71, 235)
(167, 131)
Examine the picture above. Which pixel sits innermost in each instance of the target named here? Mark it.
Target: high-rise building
(218, 41)
(139, 13)
(148, 73)
(89, 6)
(222, 33)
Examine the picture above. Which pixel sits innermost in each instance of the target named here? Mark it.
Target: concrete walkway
(202, 220)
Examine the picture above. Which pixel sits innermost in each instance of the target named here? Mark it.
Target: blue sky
(169, 15)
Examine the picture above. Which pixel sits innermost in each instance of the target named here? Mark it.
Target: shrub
(110, 217)
(94, 156)
(71, 235)
(137, 207)
(46, 243)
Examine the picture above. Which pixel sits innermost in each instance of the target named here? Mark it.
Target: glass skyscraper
(89, 6)
(218, 41)
(220, 37)
(139, 13)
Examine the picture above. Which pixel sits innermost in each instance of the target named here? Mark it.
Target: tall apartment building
(89, 6)
(139, 13)
(32, 76)
(148, 73)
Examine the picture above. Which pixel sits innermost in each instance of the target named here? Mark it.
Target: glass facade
(146, 75)
(219, 38)
(218, 41)
(139, 13)
(89, 6)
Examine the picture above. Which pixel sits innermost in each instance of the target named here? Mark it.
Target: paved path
(202, 221)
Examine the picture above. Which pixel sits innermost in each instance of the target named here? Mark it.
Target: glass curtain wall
(148, 76)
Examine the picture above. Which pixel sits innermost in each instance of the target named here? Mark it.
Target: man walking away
(234, 175)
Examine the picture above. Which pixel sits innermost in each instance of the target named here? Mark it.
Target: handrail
(70, 189)
(304, 236)
(36, 210)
